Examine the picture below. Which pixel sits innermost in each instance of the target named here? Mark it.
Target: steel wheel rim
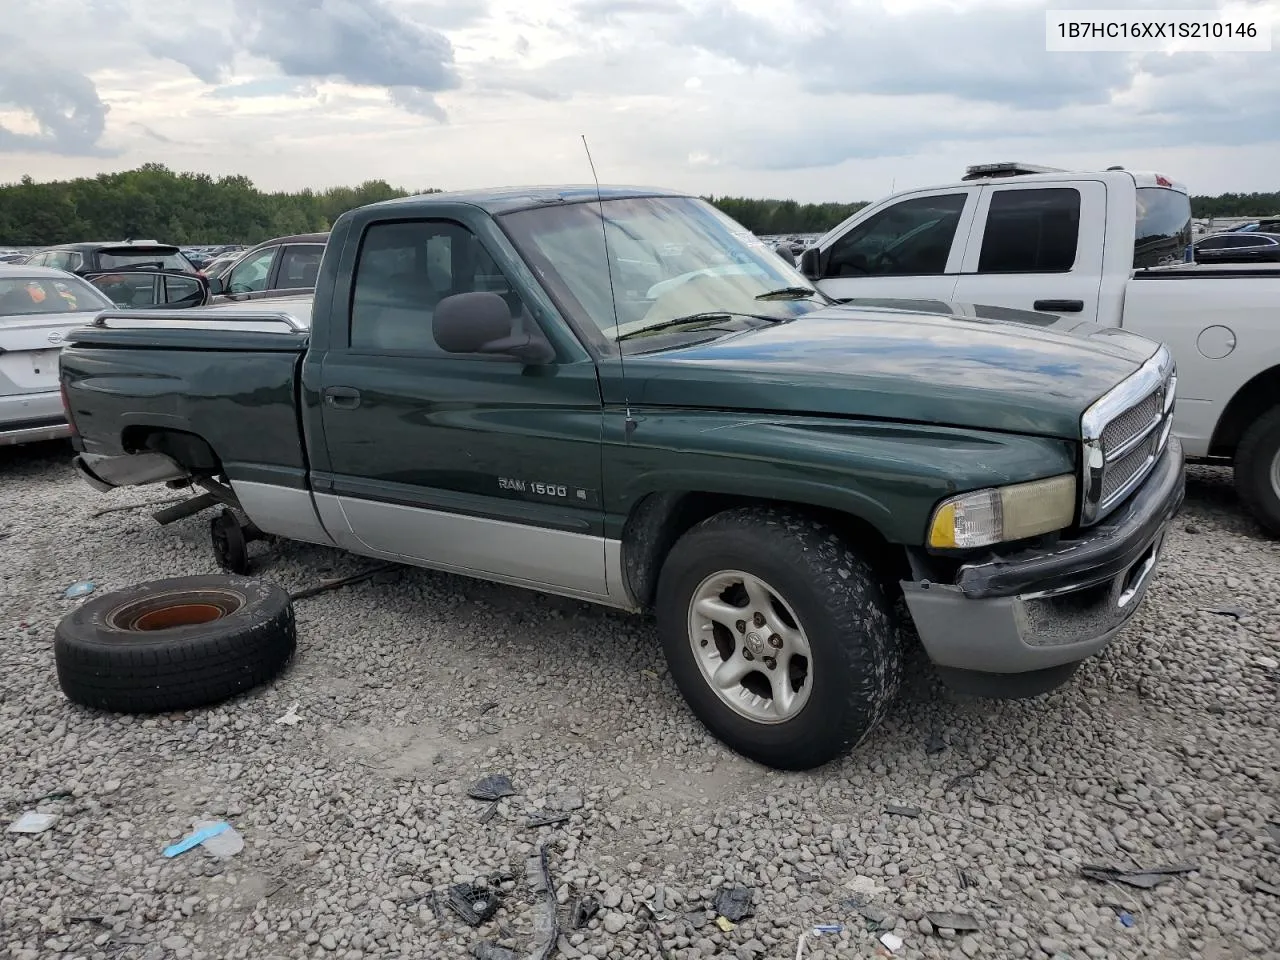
(1275, 475)
(750, 647)
(183, 608)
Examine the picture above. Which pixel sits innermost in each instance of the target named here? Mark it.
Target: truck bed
(1223, 335)
(175, 376)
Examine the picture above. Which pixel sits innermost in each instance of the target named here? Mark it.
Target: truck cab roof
(1034, 173)
(499, 200)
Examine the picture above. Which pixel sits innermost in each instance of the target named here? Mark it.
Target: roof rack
(1010, 168)
(133, 320)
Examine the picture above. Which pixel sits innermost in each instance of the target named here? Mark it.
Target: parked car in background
(38, 308)
(279, 267)
(1251, 247)
(198, 257)
(219, 265)
(87, 258)
(14, 257)
(136, 273)
(1107, 246)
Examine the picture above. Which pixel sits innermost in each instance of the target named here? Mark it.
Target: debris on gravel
(356, 822)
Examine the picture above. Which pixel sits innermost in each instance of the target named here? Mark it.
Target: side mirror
(481, 322)
(811, 264)
(217, 286)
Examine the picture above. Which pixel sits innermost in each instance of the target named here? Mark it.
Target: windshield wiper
(699, 318)
(677, 322)
(788, 293)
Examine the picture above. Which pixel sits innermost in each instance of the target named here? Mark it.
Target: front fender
(889, 475)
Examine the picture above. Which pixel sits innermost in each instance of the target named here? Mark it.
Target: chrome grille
(1131, 423)
(1124, 434)
(1119, 472)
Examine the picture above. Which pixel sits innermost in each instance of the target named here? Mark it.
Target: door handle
(1059, 306)
(342, 398)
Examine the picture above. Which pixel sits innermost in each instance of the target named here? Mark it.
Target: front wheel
(778, 636)
(1257, 470)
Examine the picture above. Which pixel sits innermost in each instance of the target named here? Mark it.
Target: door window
(299, 266)
(252, 275)
(910, 238)
(404, 269)
(59, 261)
(1212, 243)
(182, 291)
(1031, 231)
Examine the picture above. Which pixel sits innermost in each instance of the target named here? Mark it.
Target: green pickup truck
(623, 396)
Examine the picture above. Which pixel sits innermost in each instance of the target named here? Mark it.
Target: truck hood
(950, 364)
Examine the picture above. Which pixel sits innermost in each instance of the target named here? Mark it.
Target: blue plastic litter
(828, 928)
(195, 839)
(1127, 919)
(81, 589)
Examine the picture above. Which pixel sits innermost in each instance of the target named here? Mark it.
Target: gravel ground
(411, 686)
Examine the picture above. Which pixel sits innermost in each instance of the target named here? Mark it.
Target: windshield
(26, 296)
(1164, 227)
(162, 258)
(670, 257)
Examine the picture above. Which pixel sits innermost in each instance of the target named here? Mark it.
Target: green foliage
(1237, 205)
(154, 203)
(768, 217)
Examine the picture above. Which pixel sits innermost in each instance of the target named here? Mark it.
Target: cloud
(416, 101)
(63, 104)
(863, 79)
(808, 98)
(361, 41)
(262, 87)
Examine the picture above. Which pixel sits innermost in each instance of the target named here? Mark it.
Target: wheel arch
(1256, 397)
(185, 448)
(659, 519)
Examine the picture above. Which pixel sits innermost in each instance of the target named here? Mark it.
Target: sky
(807, 99)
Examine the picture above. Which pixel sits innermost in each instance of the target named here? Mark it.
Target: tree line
(155, 203)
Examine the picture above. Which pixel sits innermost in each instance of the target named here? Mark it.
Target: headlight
(1001, 514)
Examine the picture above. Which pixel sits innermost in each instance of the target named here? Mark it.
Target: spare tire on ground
(174, 644)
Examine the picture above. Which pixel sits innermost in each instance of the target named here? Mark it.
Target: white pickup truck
(1109, 247)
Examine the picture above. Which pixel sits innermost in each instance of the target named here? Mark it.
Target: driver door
(911, 248)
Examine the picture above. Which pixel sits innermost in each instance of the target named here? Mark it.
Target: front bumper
(1042, 609)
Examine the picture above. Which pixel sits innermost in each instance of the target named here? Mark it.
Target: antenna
(613, 296)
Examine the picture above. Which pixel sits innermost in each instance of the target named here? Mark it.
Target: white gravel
(412, 686)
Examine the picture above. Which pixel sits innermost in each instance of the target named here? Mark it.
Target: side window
(1031, 231)
(1212, 243)
(910, 238)
(59, 260)
(74, 262)
(299, 266)
(252, 275)
(1246, 240)
(404, 269)
(182, 291)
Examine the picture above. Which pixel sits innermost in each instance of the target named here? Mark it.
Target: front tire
(778, 636)
(1257, 470)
